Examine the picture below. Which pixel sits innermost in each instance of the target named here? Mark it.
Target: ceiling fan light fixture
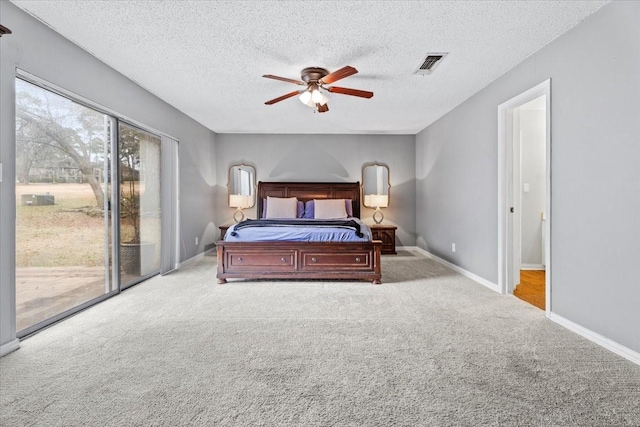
(321, 98)
(316, 96)
(305, 97)
(313, 96)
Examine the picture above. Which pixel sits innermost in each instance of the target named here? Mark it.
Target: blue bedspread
(303, 231)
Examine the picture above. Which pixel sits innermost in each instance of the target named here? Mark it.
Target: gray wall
(595, 124)
(329, 158)
(40, 51)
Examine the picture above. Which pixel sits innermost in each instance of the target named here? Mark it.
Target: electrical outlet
(196, 240)
(453, 247)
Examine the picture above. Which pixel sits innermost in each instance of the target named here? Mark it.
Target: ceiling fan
(316, 79)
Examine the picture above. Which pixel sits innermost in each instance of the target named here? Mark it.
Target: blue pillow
(309, 210)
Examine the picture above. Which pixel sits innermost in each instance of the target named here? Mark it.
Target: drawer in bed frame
(299, 260)
(344, 259)
(256, 260)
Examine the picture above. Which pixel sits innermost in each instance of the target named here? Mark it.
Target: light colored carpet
(427, 348)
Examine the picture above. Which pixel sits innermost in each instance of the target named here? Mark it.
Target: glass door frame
(114, 205)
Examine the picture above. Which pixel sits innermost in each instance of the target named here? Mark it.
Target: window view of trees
(58, 140)
(139, 155)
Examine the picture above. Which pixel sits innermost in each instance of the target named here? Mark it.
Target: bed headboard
(305, 191)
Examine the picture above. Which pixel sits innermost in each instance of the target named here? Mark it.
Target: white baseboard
(532, 267)
(484, 282)
(9, 347)
(619, 349)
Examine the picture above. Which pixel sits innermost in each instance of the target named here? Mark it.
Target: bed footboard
(299, 260)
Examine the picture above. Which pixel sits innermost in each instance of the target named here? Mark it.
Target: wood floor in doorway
(531, 288)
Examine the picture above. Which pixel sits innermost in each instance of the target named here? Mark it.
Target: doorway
(524, 196)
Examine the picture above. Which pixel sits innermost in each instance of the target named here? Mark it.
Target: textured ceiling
(206, 58)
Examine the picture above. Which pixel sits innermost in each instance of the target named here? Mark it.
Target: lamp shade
(312, 97)
(241, 201)
(305, 97)
(318, 97)
(376, 200)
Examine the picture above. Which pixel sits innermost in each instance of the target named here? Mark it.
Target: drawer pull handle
(313, 259)
(239, 259)
(283, 259)
(357, 259)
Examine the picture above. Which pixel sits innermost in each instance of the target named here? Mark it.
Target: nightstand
(386, 233)
(223, 231)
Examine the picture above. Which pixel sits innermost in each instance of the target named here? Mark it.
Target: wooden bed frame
(302, 260)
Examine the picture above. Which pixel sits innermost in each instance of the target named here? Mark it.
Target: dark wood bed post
(377, 263)
(220, 253)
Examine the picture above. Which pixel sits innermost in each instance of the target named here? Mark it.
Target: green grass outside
(53, 236)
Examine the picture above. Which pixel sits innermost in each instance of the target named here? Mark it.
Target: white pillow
(329, 209)
(278, 207)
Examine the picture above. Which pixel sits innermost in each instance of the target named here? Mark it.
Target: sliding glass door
(140, 201)
(89, 215)
(63, 233)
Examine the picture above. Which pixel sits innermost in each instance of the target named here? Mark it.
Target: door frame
(506, 160)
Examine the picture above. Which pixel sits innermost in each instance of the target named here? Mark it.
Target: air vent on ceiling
(430, 63)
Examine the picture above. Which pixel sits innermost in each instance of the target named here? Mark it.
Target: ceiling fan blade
(283, 97)
(338, 74)
(322, 108)
(352, 92)
(284, 79)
